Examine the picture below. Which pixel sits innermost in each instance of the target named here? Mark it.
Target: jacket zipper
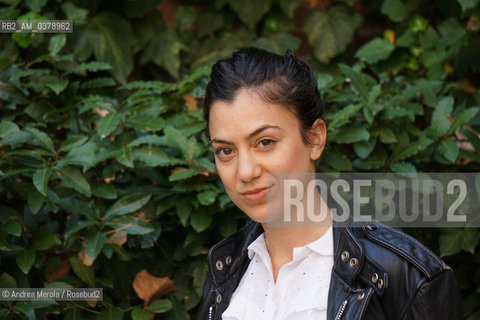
(210, 313)
(211, 310)
(341, 310)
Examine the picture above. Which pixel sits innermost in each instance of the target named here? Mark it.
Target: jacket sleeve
(436, 299)
(206, 300)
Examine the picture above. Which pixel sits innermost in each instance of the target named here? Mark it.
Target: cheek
(225, 174)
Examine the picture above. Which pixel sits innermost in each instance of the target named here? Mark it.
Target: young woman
(264, 115)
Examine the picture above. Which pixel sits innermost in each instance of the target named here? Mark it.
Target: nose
(248, 167)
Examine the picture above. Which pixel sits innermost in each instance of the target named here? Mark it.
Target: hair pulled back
(277, 79)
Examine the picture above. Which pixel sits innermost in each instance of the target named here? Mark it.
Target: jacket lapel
(344, 300)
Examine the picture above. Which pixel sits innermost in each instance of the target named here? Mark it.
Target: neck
(280, 241)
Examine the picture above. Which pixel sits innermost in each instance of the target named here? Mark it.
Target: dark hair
(283, 80)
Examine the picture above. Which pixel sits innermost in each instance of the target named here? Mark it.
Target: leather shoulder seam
(429, 270)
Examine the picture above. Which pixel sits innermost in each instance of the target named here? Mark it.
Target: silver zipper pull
(341, 310)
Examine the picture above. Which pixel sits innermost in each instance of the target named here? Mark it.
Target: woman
(264, 116)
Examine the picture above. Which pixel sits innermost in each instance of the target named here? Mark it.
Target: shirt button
(228, 260)
(219, 298)
(219, 265)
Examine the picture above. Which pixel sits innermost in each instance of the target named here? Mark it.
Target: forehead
(246, 113)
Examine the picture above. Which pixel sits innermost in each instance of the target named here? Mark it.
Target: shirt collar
(322, 246)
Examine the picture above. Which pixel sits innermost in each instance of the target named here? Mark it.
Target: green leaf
(356, 80)
(72, 142)
(394, 9)
(57, 42)
(250, 11)
(145, 123)
(57, 85)
(141, 314)
(470, 237)
(75, 180)
(15, 138)
(375, 50)
(82, 271)
(92, 66)
(189, 147)
(278, 43)
(77, 227)
(127, 204)
(160, 306)
(164, 51)
(112, 40)
(468, 4)
(7, 281)
(126, 157)
(106, 191)
(4, 245)
(450, 242)
(363, 149)
(386, 135)
(178, 311)
(338, 161)
(35, 200)
(200, 220)
(464, 117)
(350, 135)
(110, 314)
(402, 167)
(438, 128)
(83, 155)
(108, 124)
(7, 127)
(449, 150)
(184, 17)
(12, 227)
(94, 244)
(329, 33)
(25, 260)
(443, 109)
(473, 138)
(207, 197)
(411, 149)
(184, 174)
(289, 6)
(132, 225)
(45, 240)
(42, 138)
(78, 15)
(41, 178)
(184, 208)
(98, 83)
(36, 5)
(343, 116)
(152, 156)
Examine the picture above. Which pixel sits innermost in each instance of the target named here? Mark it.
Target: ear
(317, 135)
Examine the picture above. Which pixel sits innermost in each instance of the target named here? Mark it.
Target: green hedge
(106, 176)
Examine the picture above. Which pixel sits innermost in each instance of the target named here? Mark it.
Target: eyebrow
(251, 135)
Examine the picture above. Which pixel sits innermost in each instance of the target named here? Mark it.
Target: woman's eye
(266, 142)
(223, 152)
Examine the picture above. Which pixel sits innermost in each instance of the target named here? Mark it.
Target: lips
(256, 194)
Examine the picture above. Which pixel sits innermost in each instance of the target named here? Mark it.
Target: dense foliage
(105, 168)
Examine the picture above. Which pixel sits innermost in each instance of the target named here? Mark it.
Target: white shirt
(301, 290)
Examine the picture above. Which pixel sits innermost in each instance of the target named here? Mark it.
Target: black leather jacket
(378, 273)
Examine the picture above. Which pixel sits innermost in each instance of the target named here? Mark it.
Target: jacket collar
(230, 255)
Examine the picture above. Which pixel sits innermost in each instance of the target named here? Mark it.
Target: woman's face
(253, 139)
